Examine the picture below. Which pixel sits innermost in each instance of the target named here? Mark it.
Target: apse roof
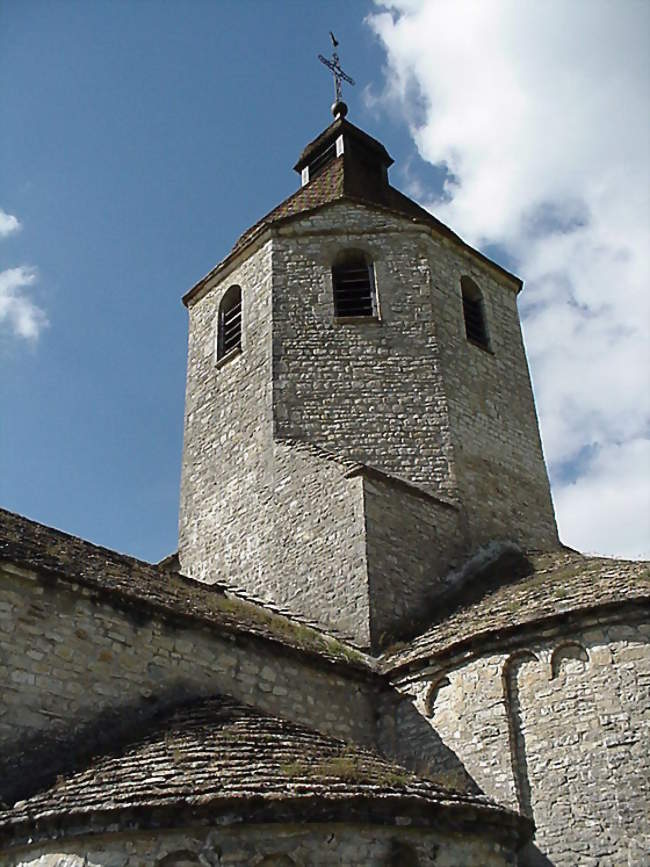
(216, 756)
(516, 592)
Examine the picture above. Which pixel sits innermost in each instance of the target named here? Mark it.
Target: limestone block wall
(227, 436)
(261, 515)
(499, 466)
(411, 539)
(313, 542)
(557, 728)
(326, 845)
(404, 393)
(72, 666)
(369, 389)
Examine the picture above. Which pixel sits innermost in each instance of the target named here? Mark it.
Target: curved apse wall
(558, 729)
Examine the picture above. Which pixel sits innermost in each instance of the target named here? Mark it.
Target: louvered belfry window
(230, 310)
(354, 286)
(475, 326)
(323, 159)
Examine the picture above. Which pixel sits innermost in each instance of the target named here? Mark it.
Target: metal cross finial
(335, 65)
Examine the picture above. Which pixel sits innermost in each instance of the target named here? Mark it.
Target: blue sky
(140, 138)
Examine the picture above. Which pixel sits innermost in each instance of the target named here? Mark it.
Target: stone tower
(359, 416)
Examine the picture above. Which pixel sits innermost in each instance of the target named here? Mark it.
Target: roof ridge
(353, 466)
(319, 451)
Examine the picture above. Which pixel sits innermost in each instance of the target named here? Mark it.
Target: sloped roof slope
(126, 581)
(217, 755)
(518, 591)
(338, 181)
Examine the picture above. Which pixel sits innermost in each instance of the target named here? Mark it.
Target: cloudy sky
(142, 138)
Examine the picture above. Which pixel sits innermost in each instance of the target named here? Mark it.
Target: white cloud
(8, 224)
(539, 113)
(18, 312)
(623, 524)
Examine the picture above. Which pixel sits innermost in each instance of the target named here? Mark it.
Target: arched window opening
(354, 285)
(229, 324)
(570, 650)
(432, 695)
(474, 313)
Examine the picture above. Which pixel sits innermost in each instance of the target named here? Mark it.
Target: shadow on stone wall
(530, 856)
(516, 739)
(33, 762)
(461, 589)
(421, 749)
(407, 737)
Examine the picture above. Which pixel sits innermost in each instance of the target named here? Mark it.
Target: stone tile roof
(518, 591)
(330, 186)
(327, 186)
(335, 182)
(216, 755)
(130, 582)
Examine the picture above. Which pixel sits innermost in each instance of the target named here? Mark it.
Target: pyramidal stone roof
(357, 175)
(216, 757)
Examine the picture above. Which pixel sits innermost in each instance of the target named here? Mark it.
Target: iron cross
(335, 66)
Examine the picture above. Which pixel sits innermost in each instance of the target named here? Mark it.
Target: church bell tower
(359, 417)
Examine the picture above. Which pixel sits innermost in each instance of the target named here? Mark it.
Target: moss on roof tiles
(219, 754)
(132, 583)
(518, 591)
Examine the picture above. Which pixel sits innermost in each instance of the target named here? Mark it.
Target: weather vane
(339, 108)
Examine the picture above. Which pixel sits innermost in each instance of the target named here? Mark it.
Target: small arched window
(353, 283)
(570, 650)
(432, 694)
(229, 324)
(474, 313)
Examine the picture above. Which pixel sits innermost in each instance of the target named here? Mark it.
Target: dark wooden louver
(323, 159)
(353, 290)
(474, 321)
(229, 337)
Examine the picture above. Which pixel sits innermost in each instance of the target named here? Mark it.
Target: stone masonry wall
(228, 431)
(559, 730)
(69, 662)
(502, 479)
(370, 390)
(405, 393)
(326, 845)
(314, 542)
(263, 516)
(412, 539)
